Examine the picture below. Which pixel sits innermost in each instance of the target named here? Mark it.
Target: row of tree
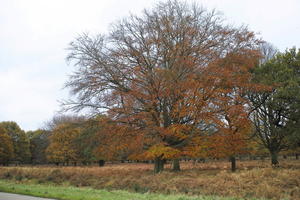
(64, 140)
(73, 140)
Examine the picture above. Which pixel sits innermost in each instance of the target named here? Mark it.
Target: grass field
(254, 179)
(75, 193)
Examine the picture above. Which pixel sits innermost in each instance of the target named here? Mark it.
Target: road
(8, 196)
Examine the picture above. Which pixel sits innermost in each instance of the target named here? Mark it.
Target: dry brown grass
(253, 179)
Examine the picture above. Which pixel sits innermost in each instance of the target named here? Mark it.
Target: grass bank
(255, 179)
(75, 193)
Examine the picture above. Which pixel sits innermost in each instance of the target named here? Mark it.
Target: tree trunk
(176, 165)
(274, 158)
(297, 156)
(101, 163)
(158, 165)
(233, 163)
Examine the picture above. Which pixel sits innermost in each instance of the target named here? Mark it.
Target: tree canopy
(20, 141)
(6, 147)
(276, 117)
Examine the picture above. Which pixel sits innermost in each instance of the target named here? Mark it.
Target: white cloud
(29, 94)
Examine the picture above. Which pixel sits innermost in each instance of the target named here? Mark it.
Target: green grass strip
(75, 193)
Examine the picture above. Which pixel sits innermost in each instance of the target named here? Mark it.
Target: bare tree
(62, 119)
(268, 51)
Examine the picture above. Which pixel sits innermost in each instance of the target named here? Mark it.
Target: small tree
(39, 141)
(20, 141)
(62, 148)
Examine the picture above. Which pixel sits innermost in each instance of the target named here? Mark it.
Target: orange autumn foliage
(165, 79)
(62, 148)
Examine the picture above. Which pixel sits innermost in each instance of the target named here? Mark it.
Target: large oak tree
(161, 74)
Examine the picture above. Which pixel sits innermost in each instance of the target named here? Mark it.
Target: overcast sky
(34, 35)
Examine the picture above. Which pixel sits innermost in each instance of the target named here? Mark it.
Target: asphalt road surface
(8, 196)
